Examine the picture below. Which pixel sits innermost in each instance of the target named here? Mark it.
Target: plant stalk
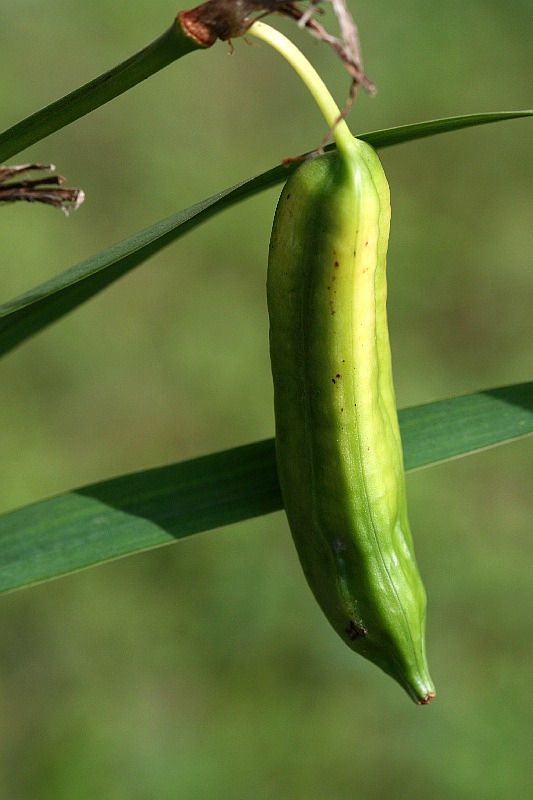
(321, 94)
(170, 46)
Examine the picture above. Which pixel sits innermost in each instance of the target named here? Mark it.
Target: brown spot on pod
(355, 631)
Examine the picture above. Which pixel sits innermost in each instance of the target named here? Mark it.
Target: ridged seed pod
(338, 443)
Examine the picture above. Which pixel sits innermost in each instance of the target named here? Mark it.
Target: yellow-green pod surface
(338, 443)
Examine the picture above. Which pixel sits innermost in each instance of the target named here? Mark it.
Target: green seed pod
(338, 444)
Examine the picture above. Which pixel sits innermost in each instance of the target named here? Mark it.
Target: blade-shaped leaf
(173, 44)
(149, 509)
(30, 312)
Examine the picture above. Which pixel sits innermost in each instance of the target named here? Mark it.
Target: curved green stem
(311, 78)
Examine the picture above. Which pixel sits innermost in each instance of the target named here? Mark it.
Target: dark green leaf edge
(30, 312)
(149, 509)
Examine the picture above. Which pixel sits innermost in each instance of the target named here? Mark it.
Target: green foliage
(159, 506)
(32, 311)
(204, 670)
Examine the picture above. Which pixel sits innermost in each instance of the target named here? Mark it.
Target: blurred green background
(205, 670)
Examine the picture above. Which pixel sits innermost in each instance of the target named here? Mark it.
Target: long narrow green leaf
(173, 44)
(149, 509)
(32, 311)
(170, 46)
